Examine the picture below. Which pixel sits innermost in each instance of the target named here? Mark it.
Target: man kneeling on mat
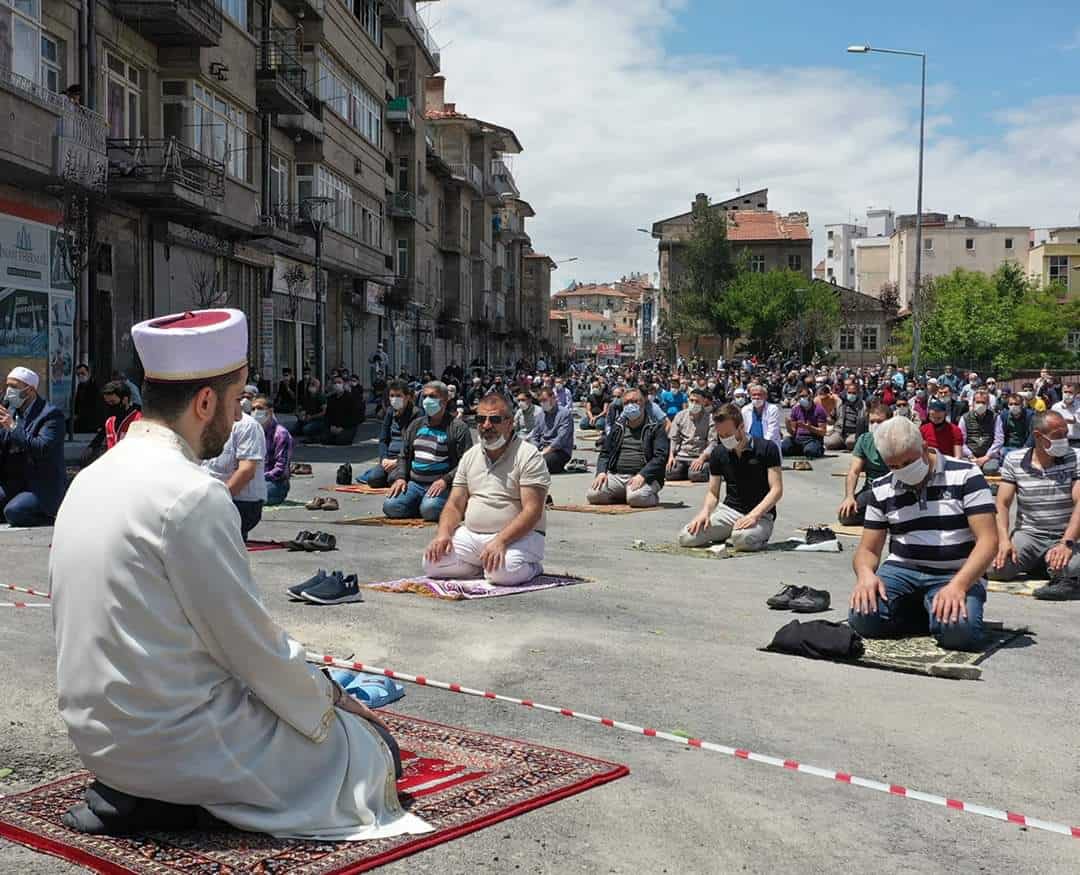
(494, 522)
(751, 467)
(940, 515)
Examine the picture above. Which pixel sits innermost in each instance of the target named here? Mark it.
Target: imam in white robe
(174, 681)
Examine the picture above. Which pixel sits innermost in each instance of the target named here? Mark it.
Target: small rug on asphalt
(611, 509)
(846, 531)
(720, 551)
(457, 780)
(459, 590)
(260, 546)
(921, 654)
(357, 489)
(1015, 587)
(386, 521)
(287, 504)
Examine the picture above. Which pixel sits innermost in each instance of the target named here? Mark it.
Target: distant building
(840, 252)
(769, 240)
(604, 314)
(865, 329)
(871, 264)
(1056, 261)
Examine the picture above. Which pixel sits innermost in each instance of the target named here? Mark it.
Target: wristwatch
(1069, 542)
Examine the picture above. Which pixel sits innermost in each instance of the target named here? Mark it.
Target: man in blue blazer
(32, 475)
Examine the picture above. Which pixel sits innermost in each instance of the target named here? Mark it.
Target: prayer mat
(920, 654)
(261, 546)
(846, 531)
(457, 780)
(357, 489)
(465, 590)
(615, 508)
(287, 504)
(683, 484)
(1015, 587)
(719, 551)
(385, 521)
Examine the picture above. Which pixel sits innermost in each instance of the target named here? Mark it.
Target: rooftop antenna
(738, 185)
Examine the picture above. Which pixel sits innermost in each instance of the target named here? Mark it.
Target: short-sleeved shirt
(246, 443)
(815, 416)
(1043, 497)
(929, 529)
(746, 475)
(873, 465)
(495, 487)
(945, 436)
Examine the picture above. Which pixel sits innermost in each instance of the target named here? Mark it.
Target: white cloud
(619, 133)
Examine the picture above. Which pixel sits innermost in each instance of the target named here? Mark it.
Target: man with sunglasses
(494, 522)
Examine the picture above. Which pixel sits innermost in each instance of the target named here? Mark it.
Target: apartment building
(274, 157)
(1056, 260)
(840, 252)
(947, 244)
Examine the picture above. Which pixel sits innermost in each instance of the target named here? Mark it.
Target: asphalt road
(668, 642)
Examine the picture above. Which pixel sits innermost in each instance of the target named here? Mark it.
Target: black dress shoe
(811, 601)
(321, 543)
(782, 600)
(1061, 589)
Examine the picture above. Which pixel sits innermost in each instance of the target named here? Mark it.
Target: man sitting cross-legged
(431, 448)
(399, 415)
(690, 435)
(494, 522)
(1045, 482)
(939, 515)
(865, 459)
(751, 468)
(630, 468)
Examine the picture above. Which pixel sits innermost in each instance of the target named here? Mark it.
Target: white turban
(24, 375)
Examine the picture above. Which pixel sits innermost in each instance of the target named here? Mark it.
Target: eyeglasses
(496, 419)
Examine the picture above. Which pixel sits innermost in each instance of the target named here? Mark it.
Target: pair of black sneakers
(322, 588)
(800, 599)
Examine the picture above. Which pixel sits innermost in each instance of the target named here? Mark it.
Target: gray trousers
(1031, 550)
(721, 528)
(617, 491)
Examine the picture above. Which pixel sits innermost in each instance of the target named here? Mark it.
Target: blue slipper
(372, 689)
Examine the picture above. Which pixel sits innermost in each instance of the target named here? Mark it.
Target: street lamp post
(320, 322)
(916, 297)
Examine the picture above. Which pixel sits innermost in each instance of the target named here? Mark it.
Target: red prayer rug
(260, 546)
(457, 780)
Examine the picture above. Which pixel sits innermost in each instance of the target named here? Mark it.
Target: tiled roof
(746, 225)
(586, 316)
(591, 289)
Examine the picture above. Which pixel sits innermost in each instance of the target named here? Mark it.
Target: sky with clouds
(627, 109)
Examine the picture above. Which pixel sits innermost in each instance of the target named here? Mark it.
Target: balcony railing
(470, 173)
(399, 111)
(281, 80)
(450, 240)
(166, 161)
(173, 22)
(403, 205)
(81, 153)
(503, 180)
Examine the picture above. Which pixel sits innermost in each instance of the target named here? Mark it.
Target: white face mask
(914, 473)
(245, 405)
(397, 402)
(730, 443)
(495, 443)
(261, 416)
(548, 406)
(1067, 397)
(980, 408)
(696, 409)
(1026, 396)
(1058, 447)
(759, 403)
(1014, 409)
(524, 405)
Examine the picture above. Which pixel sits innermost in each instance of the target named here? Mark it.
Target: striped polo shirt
(1043, 496)
(431, 454)
(929, 529)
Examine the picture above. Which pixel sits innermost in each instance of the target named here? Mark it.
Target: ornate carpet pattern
(458, 590)
(612, 509)
(457, 780)
(386, 521)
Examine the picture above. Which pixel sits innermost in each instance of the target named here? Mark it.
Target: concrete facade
(840, 252)
(1056, 262)
(864, 333)
(871, 264)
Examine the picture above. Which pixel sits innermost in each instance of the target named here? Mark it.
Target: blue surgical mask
(804, 403)
(431, 406)
(632, 411)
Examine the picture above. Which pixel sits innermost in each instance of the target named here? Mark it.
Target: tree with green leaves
(709, 265)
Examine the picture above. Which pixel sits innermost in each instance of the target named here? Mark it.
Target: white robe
(174, 681)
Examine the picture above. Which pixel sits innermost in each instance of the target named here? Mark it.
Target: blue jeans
(377, 478)
(23, 510)
(599, 424)
(414, 502)
(276, 492)
(812, 448)
(906, 610)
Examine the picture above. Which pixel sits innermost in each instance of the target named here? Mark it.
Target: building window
(869, 338)
(237, 10)
(280, 188)
(829, 273)
(123, 99)
(830, 235)
(757, 264)
(368, 13)
(346, 96)
(928, 244)
(219, 131)
(314, 180)
(1072, 341)
(51, 56)
(969, 244)
(1059, 270)
(847, 339)
(26, 39)
(1008, 242)
(402, 257)
(371, 229)
(829, 254)
(794, 262)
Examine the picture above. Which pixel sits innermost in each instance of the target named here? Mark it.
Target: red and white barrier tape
(14, 588)
(738, 753)
(25, 605)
